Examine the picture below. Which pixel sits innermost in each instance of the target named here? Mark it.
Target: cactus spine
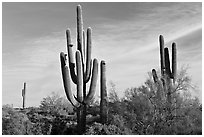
(23, 94)
(83, 71)
(168, 73)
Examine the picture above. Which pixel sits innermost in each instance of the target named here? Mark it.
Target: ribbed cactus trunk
(81, 114)
(168, 75)
(83, 71)
(162, 60)
(174, 63)
(104, 99)
(23, 94)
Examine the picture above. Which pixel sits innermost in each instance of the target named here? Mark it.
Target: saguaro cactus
(83, 72)
(23, 94)
(168, 74)
(104, 99)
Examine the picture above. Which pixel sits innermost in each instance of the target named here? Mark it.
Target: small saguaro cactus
(23, 94)
(82, 74)
(168, 73)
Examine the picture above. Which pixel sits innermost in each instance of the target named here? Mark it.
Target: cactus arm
(158, 83)
(88, 73)
(79, 29)
(92, 89)
(69, 46)
(162, 57)
(78, 100)
(68, 36)
(79, 76)
(84, 45)
(154, 74)
(88, 55)
(72, 65)
(70, 56)
(66, 81)
(104, 99)
(167, 62)
(174, 62)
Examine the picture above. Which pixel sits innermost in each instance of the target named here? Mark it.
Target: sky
(125, 35)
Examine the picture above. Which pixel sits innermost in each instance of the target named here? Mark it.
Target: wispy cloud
(125, 36)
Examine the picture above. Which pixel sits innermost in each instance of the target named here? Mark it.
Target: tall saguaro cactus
(104, 99)
(168, 73)
(23, 94)
(80, 72)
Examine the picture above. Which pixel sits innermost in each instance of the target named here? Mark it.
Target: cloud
(130, 47)
(127, 39)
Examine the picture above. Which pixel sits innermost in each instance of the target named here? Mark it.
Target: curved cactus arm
(162, 57)
(79, 76)
(167, 62)
(158, 83)
(66, 81)
(79, 30)
(78, 100)
(92, 89)
(88, 55)
(70, 56)
(174, 62)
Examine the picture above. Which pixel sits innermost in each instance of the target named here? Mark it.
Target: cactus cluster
(82, 74)
(23, 94)
(168, 73)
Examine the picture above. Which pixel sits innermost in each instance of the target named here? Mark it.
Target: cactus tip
(62, 58)
(62, 54)
(79, 6)
(89, 28)
(67, 30)
(161, 39)
(174, 44)
(166, 49)
(95, 60)
(153, 70)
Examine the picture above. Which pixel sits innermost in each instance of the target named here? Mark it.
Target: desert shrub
(100, 129)
(61, 125)
(143, 111)
(41, 121)
(14, 122)
(54, 104)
